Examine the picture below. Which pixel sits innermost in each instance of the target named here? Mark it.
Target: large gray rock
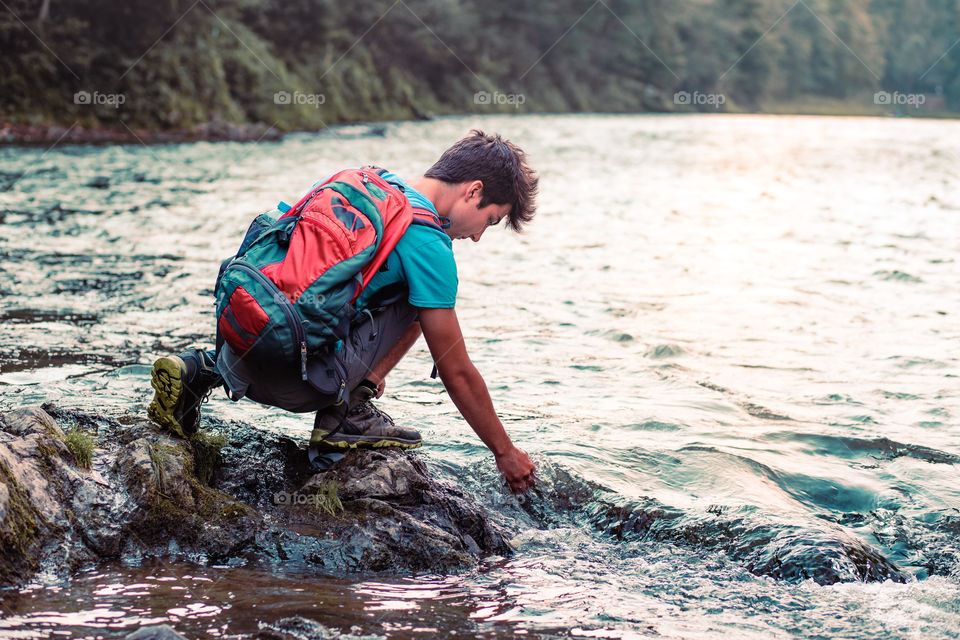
(391, 505)
(255, 500)
(31, 506)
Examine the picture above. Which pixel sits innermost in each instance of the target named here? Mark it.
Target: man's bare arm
(469, 393)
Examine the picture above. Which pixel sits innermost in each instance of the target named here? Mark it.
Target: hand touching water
(517, 468)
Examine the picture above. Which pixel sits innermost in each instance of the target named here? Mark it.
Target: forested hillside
(304, 64)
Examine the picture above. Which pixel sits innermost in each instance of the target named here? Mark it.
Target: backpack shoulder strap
(421, 216)
(380, 171)
(427, 218)
(353, 177)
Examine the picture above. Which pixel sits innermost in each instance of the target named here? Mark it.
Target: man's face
(469, 221)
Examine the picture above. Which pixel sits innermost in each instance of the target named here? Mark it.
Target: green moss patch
(206, 454)
(19, 529)
(81, 443)
(186, 518)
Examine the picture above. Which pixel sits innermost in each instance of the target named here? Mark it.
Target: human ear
(475, 190)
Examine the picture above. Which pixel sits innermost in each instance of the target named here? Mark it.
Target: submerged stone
(300, 628)
(155, 632)
(99, 182)
(762, 542)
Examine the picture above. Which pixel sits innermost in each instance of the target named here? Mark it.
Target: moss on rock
(152, 497)
(175, 504)
(206, 454)
(20, 525)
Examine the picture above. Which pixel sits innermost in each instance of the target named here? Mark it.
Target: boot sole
(167, 382)
(360, 443)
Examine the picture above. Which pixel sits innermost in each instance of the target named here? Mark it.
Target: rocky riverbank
(119, 488)
(214, 131)
(242, 497)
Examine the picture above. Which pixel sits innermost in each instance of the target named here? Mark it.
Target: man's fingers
(521, 485)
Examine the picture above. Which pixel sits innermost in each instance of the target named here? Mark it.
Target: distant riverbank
(220, 131)
(11, 133)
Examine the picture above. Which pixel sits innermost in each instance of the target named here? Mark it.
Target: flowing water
(739, 314)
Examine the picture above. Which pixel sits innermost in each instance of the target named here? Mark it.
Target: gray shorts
(369, 340)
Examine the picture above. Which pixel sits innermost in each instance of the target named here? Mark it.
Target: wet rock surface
(254, 498)
(142, 498)
(765, 544)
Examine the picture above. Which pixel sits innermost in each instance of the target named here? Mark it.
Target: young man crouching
(477, 183)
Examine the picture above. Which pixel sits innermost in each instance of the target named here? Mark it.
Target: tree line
(305, 64)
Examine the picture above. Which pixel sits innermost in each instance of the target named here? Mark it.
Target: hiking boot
(358, 423)
(182, 383)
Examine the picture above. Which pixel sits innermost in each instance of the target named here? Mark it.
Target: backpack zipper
(293, 318)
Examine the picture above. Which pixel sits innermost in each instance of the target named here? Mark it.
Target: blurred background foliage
(179, 63)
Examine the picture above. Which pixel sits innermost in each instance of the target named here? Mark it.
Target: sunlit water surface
(712, 311)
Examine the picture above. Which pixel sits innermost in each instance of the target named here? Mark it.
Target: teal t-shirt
(422, 263)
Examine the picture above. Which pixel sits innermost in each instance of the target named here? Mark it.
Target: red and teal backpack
(290, 291)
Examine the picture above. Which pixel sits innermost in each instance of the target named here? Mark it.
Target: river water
(740, 314)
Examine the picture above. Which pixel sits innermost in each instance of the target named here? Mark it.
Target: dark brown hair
(500, 165)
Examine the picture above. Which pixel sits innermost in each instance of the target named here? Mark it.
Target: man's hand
(469, 392)
(517, 468)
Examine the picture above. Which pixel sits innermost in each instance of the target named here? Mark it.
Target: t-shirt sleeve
(430, 271)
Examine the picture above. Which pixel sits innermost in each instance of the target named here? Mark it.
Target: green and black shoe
(182, 383)
(362, 425)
